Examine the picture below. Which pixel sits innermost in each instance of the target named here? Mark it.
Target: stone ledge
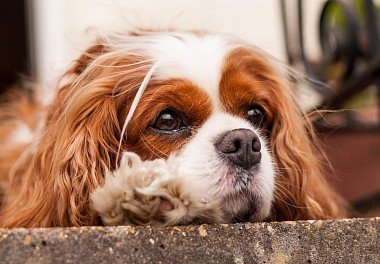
(342, 241)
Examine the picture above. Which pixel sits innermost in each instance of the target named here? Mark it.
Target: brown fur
(84, 120)
(51, 181)
(177, 94)
(17, 104)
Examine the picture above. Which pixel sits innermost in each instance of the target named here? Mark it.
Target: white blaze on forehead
(195, 58)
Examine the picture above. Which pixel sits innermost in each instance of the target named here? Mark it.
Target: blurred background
(336, 44)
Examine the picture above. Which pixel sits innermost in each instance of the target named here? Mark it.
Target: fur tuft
(136, 192)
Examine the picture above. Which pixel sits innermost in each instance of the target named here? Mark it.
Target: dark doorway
(14, 57)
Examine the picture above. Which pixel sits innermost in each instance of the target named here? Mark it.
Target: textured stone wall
(343, 241)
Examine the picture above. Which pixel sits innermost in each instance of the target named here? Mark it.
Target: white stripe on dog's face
(198, 59)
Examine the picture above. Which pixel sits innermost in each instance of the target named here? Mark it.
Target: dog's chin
(243, 206)
(241, 202)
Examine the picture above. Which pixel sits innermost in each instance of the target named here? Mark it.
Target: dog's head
(218, 103)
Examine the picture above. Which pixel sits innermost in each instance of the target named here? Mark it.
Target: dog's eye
(255, 115)
(168, 121)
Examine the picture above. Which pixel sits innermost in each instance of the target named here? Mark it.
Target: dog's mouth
(240, 206)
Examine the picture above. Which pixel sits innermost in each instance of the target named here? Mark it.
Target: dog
(221, 105)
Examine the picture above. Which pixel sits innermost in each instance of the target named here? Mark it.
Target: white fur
(136, 100)
(198, 59)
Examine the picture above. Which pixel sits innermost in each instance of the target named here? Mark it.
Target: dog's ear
(301, 190)
(52, 181)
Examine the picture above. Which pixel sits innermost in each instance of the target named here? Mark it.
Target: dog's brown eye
(255, 115)
(168, 121)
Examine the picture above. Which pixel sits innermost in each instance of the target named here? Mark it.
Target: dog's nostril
(256, 145)
(237, 144)
(241, 146)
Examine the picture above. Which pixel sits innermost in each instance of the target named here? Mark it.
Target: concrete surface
(343, 241)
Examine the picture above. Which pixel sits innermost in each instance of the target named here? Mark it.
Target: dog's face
(217, 103)
(210, 102)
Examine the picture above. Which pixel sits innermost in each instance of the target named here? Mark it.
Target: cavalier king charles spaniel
(211, 117)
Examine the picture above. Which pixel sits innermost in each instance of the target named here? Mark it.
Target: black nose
(241, 146)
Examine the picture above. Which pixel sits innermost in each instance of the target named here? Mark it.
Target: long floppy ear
(301, 190)
(52, 181)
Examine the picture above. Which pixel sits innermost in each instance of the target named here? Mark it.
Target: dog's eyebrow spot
(179, 94)
(247, 79)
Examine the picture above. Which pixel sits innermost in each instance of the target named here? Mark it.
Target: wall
(61, 26)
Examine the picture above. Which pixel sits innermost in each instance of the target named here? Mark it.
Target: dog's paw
(151, 193)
